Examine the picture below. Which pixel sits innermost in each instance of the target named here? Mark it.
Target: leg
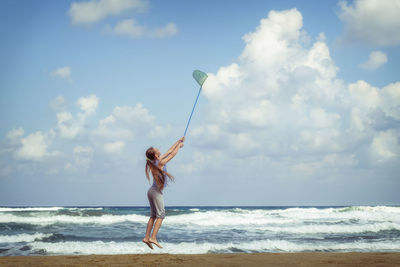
(149, 227)
(158, 210)
(151, 219)
(153, 238)
(148, 231)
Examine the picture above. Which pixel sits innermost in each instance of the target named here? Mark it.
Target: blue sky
(302, 104)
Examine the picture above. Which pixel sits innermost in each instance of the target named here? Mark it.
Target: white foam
(210, 219)
(348, 213)
(7, 209)
(331, 229)
(225, 218)
(53, 219)
(370, 209)
(294, 216)
(32, 209)
(79, 208)
(194, 209)
(292, 220)
(100, 247)
(22, 237)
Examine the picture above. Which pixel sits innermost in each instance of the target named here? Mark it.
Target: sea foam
(22, 237)
(74, 230)
(100, 247)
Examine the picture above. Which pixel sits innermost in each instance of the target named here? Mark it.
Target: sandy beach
(239, 259)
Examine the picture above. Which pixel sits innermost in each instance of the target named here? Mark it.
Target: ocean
(199, 230)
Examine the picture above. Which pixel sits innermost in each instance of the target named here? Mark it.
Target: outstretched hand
(182, 140)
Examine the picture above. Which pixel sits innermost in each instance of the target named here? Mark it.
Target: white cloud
(168, 30)
(15, 134)
(130, 28)
(319, 141)
(88, 104)
(125, 122)
(70, 126)
(91, 146)
(375, 60)
(306, 168)
(90, 12)
(106, 129)
(272, 71)
(138, 113)
(322, 119)
(58, 103)
(278, 108)
(63, 73)
(200, 161)
(114, 147)
(67, 125)
(93, 11)
(83, 150)
(371, 21)
(209, 136)
(242, 142)
(34, 146)
(260, 113)
(390, 96)
(282, 100)
(385, 145)
(357, 120)
(159, 131)
(364, 94)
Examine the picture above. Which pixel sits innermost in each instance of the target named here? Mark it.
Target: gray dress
(156, 200)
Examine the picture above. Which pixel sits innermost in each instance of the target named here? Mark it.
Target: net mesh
(200, 77)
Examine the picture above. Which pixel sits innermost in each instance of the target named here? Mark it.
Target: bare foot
(155, 243)
(147, 242)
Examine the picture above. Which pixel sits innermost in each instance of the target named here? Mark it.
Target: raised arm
(172, 151)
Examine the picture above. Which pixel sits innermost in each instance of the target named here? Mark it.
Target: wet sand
(239, 259)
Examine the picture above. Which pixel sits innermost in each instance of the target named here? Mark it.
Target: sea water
(120, 230)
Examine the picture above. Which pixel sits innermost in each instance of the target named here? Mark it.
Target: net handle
(187, 125)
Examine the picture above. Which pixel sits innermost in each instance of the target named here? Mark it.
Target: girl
(156, 164)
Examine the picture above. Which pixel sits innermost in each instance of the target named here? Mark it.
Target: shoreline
(231, 259)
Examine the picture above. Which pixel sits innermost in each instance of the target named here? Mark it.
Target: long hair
(159, 175)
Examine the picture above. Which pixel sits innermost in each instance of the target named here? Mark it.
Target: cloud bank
(130, 28)
(63, 73)
(281, 105)
(372, 22)
(95, 11)
(80, 143)
(375, 60)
